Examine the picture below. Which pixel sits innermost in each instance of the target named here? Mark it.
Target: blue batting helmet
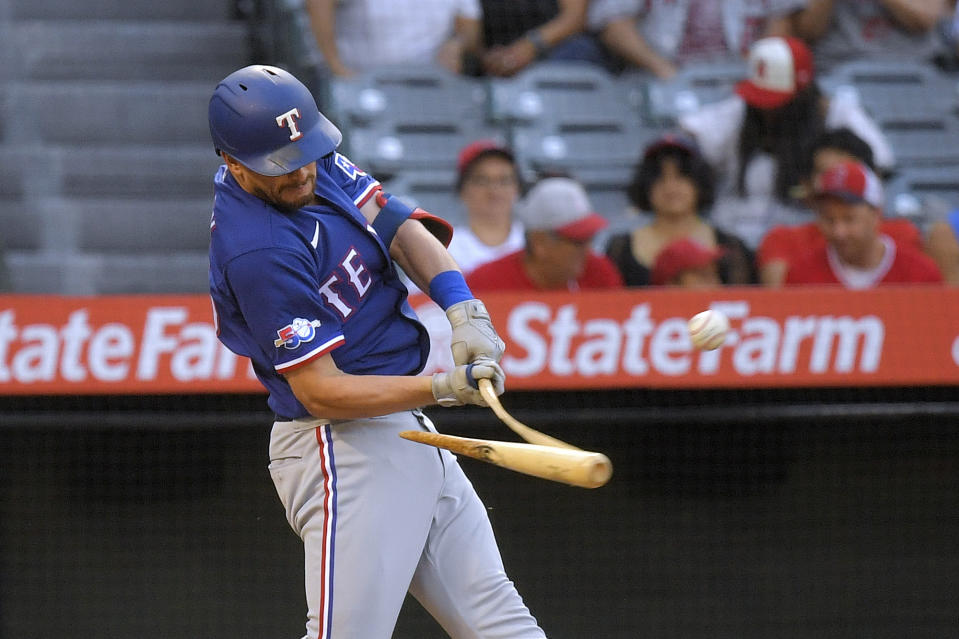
(268, 120)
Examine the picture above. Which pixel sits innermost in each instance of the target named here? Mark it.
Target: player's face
(491, 189)
(287, 192)
(851, 229)
(673, 193)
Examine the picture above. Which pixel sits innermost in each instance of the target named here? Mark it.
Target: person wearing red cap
(783, 244)
(675, 185)
(848, 199)
(560, 225)
(757, 139)
(488, 184)
(662, 35)
(687, 263)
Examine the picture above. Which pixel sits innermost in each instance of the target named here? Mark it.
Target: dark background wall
(808, 514)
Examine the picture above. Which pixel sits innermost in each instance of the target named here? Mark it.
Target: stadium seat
(892, 88)
(397, 119)
(571, 146)
(558, 91)
(389, 148)
(434, 191)
(695, 84)
(923, 194)
(922, 139)
(565, 116)
(406, 94)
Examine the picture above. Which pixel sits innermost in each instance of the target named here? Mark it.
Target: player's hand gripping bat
(545, 457)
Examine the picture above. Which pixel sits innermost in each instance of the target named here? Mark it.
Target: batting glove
(460, 386)
(473, 333)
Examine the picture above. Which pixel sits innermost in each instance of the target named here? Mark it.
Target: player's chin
(293, 203)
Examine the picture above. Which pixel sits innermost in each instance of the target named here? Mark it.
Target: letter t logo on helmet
(268, 121)
(287, 120)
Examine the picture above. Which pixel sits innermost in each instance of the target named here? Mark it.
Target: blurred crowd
(779, 184)
(502, 37)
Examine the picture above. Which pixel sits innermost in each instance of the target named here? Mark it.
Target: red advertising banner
(800, 337)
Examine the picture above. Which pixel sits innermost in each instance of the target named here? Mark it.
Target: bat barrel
(575, 467)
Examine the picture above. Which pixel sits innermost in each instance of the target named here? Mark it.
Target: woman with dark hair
(675, 184)
(757, 140)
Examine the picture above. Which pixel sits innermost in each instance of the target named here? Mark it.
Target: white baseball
(708, 329)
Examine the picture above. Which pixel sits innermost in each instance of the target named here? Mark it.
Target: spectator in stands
(517, 33)
(662, 35)
(488, 184)
(756, 140)
(848, 202)
(560, 225)
(869, 29)
(784, 243)
(687, 263)
(360, 35)
(675, 184)
(942, 245)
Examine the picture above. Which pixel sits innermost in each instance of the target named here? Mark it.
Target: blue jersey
(288, 288)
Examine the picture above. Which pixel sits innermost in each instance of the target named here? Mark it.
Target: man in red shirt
(783, 244)
(560, 224)
(848, 201)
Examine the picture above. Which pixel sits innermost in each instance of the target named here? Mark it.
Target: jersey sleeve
(279, 300)
(356, 183)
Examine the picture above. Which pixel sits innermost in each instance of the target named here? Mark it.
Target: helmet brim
(321, 140)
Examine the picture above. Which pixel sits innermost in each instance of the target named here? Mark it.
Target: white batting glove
(461, 385)
(473, 333)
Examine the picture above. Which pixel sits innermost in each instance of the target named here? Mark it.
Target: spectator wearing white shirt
(844, 30)
(359, 35)
(489, 186)
(662, 35)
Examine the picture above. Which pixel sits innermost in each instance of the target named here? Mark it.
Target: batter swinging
(304, 283)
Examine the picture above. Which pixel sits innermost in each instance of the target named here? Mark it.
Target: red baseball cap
(850, 181)
(475, 150)
(681, 255)
(561, 205)
(779, 68)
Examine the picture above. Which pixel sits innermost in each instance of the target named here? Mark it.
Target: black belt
(282, 418)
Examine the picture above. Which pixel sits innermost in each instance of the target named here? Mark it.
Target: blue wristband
(448, 288)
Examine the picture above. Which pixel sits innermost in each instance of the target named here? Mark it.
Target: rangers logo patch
(298, 331)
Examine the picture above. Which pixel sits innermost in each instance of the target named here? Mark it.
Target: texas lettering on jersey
(342, 291)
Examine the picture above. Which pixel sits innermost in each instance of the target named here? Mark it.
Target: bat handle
(529, 434)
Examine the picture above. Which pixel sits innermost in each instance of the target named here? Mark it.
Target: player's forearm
(355, 396)
(421, 256)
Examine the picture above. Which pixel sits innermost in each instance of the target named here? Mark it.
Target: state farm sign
(629, 338)
(795, 337)
(64, 345)
(559, 342)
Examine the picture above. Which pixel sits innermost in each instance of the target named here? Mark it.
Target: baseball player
(303, 277)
